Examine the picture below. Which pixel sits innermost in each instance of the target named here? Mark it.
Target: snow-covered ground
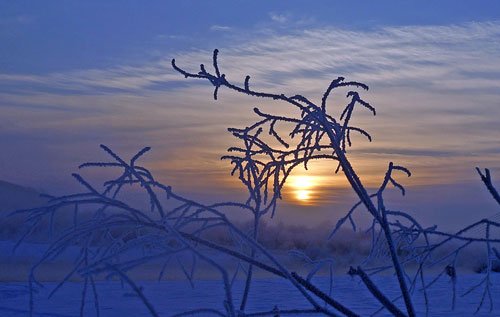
(169, 297)
(175, 295)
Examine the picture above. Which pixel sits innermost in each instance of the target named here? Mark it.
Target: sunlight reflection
(303, 194)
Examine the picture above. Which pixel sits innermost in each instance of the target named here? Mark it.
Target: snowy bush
(114, 237)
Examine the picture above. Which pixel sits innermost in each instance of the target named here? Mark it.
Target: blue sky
(77, 74)
(40, 37)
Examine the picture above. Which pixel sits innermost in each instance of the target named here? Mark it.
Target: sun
(303, 187)
(302, 182)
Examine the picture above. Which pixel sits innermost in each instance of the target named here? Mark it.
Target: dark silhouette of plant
(114, 237)
(318, 126)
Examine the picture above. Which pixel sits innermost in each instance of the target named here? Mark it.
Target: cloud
(280, 18)
(436, 89)
(220, 28)
(437, 57)
(455, 58)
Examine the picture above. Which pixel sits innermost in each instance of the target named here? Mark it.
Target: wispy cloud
(220, 28)
(437, 90)
(453, 57)
(280, 18)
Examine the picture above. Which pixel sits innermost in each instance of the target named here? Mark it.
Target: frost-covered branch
(115, 237)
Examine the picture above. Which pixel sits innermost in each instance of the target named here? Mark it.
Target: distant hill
(15, 197)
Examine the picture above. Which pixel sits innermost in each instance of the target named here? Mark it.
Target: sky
(74, 75)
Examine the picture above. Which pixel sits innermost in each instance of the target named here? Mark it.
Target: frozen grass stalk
(175, 226)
